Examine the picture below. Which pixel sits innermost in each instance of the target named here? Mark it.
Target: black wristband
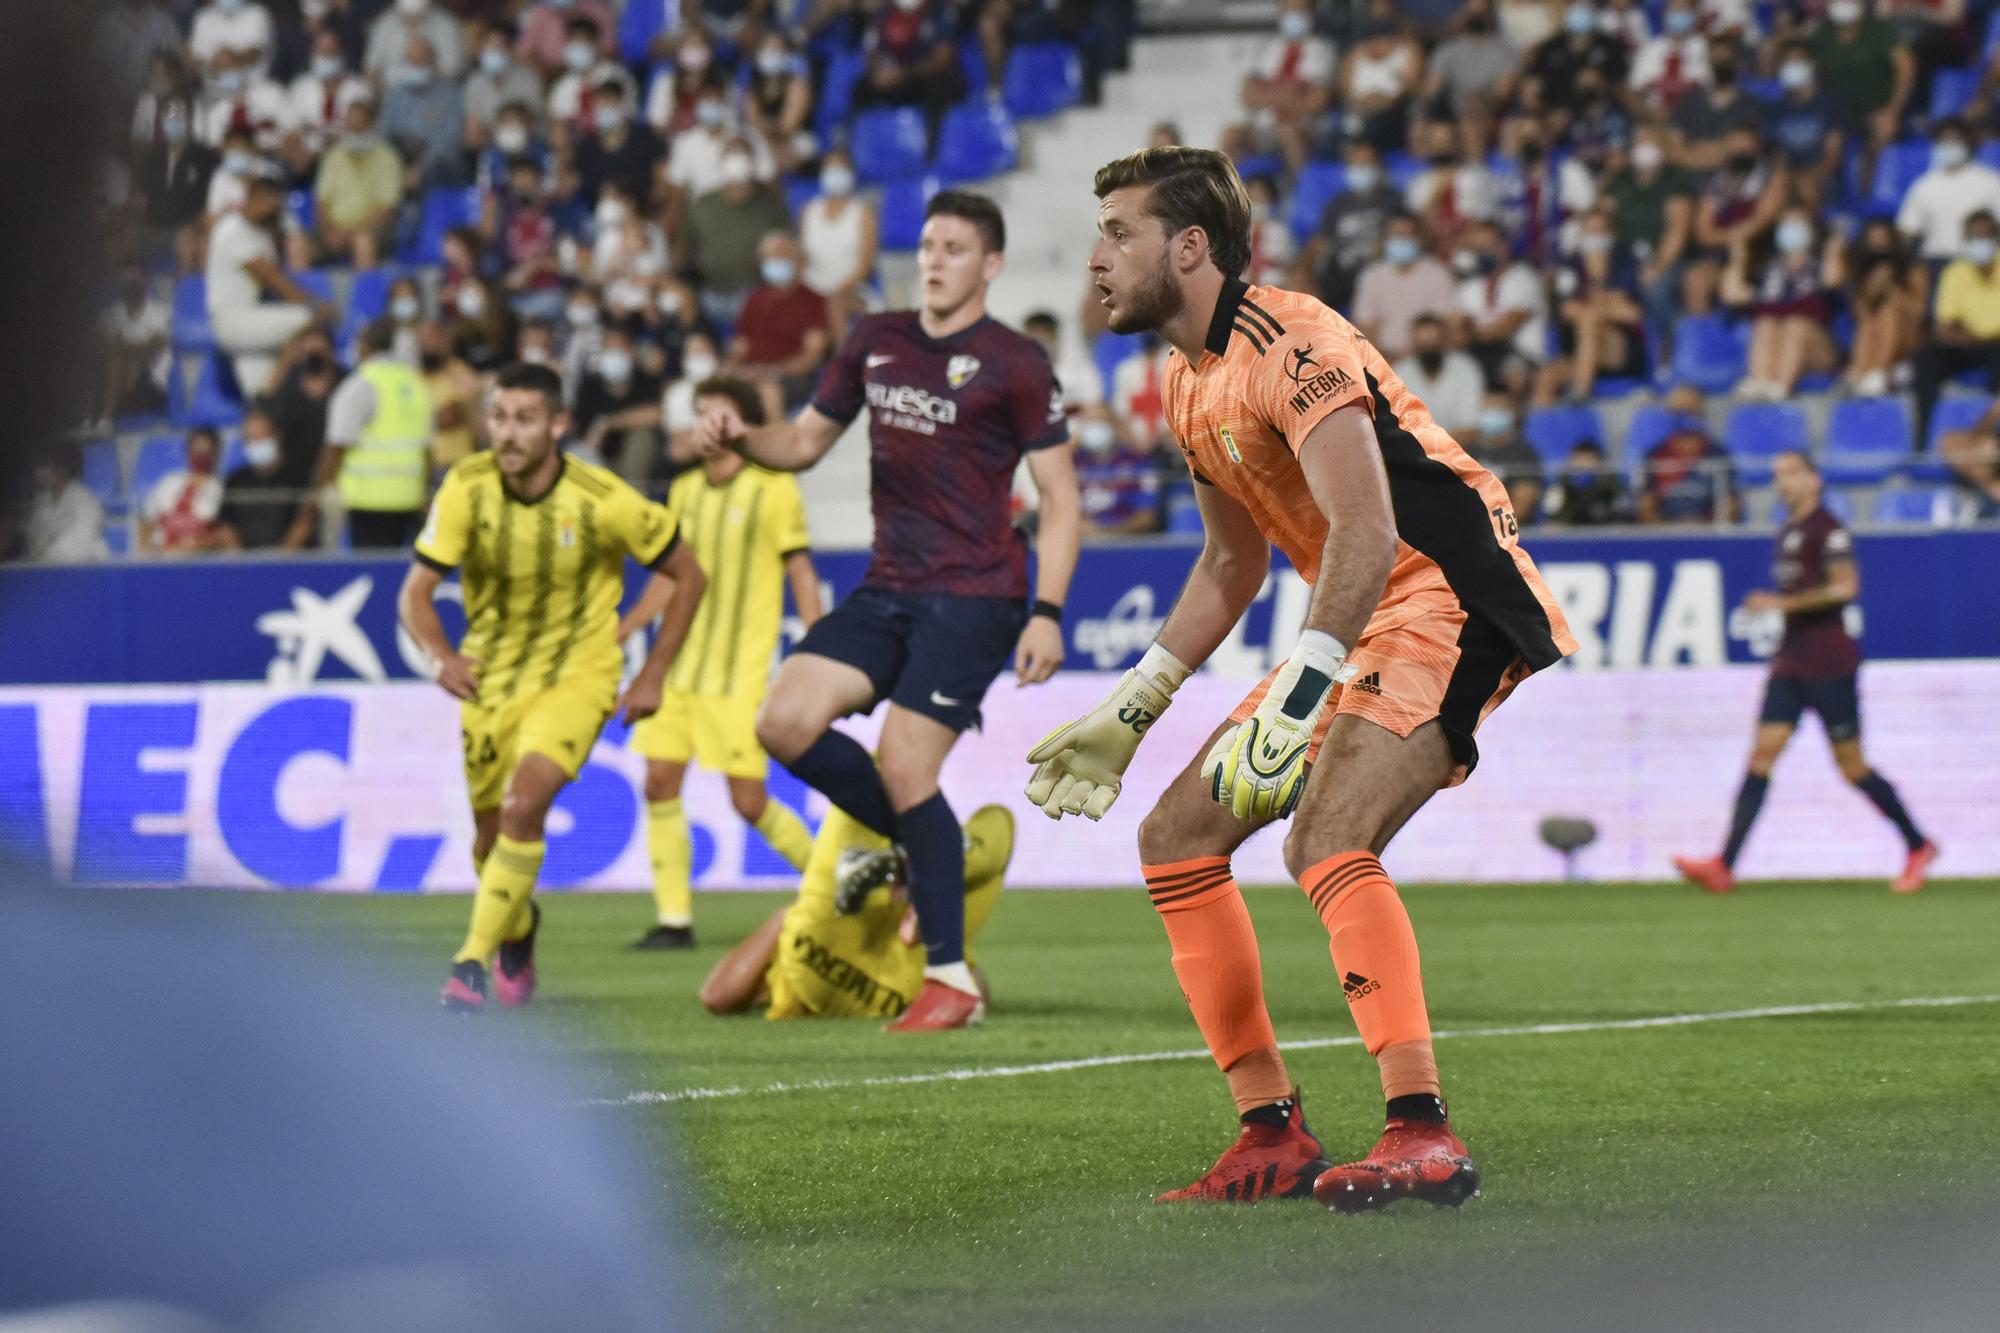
(1053, 610)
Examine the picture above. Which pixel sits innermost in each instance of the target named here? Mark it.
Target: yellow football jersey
(542, 579)
(741, 533)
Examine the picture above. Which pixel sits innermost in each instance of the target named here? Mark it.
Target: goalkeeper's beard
(1152, 304)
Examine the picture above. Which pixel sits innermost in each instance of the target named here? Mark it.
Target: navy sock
(1877, 789)
(935, 846)
(838, 768)
(1749, 800)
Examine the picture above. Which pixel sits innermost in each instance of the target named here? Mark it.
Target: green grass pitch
(1028, 1198)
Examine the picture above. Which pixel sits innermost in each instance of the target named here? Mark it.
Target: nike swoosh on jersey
(879, 360)
(943, 702)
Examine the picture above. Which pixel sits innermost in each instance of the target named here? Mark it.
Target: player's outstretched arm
(784, 446)
(736, 982)
(1080, 766)
(416, 608)
(1057, 537)
(642, 696)
(1257, 768)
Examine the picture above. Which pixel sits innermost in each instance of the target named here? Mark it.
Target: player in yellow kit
(747, 528)
(539, 540)
(811, 961)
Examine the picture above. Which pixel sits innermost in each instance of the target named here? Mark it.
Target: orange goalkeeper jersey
(1276, 364)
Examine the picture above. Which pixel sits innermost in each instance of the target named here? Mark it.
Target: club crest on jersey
(566, 534)
(960, 369)
(1229, 444)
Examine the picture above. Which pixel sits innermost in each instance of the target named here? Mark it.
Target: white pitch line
(660, 1098)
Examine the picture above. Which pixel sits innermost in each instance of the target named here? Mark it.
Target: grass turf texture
(1028, 1199)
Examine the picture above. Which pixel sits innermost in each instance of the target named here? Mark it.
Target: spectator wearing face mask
(617, 414)
(240, 96)
(178, 515)
(778, 99)
(378, 434)
(1687, 477)
(1402, 285)
(781, 334)
(1740, 200)
(1287, 89)
(405, 311)
(1472, 71)
(1889, 294)
(1587, 492)
(1600, 326)
(1352, 226)
(842, 239)
(1582, 44)
(483, 327)
(1652, 217)
(65, 523)
(1941, 201)
(1965, 326)
(517, 227)
(1272, 252)
(1503, 308)
(389, 40)
(696, 165)
(546, 33)
(231, 25)
(678, 87)
(909, 59)
(423, 115)
(626, 244)
(700, 361)
(316, 101)
(723, 230)
(1785, 280)
(1538, 190)
(1866, 68)
(1449, 382)
(134, 330)
(514, 139)
(1379, 75)
(230, 184)
(573, 96)
(306, 376)
(260, 505)
(357, 192)
(1452, 193)
(1497, 444)
(498, 81)
(173, 175)
(618, 149)
(1810, 127)
(1118, 483)
(1706, 120)
(1668, 66)
(242, 271)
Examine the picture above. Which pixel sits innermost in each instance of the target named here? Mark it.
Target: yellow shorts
(561, 723)
(718, 731)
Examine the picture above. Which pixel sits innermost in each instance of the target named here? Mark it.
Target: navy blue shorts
(1837, 701)
(932, 653)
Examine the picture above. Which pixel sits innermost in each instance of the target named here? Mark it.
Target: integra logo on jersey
(912, 409)
(1319, 386)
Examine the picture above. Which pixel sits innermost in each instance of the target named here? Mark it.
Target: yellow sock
(506, 881)
(786, 833)
(673, 861)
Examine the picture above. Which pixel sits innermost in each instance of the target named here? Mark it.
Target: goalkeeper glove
(1080, 765)
(1258, 768)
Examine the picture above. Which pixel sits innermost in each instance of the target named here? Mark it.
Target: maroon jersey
(952, 417)
(1816, 645)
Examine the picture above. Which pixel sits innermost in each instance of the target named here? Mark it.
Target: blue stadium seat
(1041, 79)
(118, 539)
(1838, 502)
(1710, 352)
(1318, 183)
(233, 456)
(299, 203)
(640, 22)
(836, 93)
(1757, 432)
(158, 455)
(102, 475)
(367, 298)
(800, 191)
(1915, 504)
(216, 400)
(972, 64)
(1952, 90)
(191, 328)
(1650, 425)
(1554, 431)
(1615, 386)
(889, 144)
(1260, 164)
(977, 140)
(1956, 413)
(1895, 171)
(443, 209)
(902, 213)
(1989, 152)
(316, 281)
(1402, 168)
(1183, 512)
(1867, 439)
(1110, 349)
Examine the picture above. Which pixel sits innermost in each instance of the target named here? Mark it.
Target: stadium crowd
(1627, 251)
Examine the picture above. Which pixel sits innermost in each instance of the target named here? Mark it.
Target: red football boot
(939, 1007)
(1265, 1162)
(1707, 871)
(465, 989)
(1413, 1159)
(1915, 869)
(514, 967)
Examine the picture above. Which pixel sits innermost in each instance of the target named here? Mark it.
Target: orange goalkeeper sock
(1216, 960)
(1375, 951)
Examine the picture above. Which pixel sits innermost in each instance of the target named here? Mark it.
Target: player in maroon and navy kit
(1815, 667)
(957, 399)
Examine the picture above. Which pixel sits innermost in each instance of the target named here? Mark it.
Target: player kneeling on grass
(1425, 614)
(747, 528)
(824, 958)
(539, 540)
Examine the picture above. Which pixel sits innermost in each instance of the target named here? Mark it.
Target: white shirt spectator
(1515, 287)
(566, 95)
(1135, 395)
(225, 191)
(1452, 395)
(1475, 194)
(677, 406)
(226, 26)
(151, 323)
(1315, 59)
(202, 496)
(1686, 57)
(234, 243)
(1935, 209)
(263, 104)
(389, 41)
(695, 164)
(66, 527)
(833, 245)
(316, 108)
